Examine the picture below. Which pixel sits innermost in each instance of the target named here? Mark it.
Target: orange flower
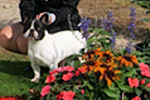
(127, 60)
(102, 62)
(89, 55)
(109, 75)
(83, 69)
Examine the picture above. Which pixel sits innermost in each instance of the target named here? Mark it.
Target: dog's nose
(31, 33)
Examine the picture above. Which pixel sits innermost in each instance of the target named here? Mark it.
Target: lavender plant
(84, 25)
(131, 28)
(107, 24)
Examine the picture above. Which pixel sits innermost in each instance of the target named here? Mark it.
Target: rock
(6, 6)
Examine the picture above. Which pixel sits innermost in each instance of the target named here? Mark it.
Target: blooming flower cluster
(134, 82)
(65, 95)
(68, 72)
(104, 62)
(127, 60)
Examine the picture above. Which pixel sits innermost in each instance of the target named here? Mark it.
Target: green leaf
(90, 87)
(145, 19)
(138, 91)
(126, 88)
(125, 98)
(112, 94)
(131, 73)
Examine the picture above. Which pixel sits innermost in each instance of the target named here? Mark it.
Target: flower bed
(103, 74)
(11, 98)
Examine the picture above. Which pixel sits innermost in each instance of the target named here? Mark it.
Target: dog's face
(37, 29)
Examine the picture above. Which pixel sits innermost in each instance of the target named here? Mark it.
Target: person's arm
(27, 11)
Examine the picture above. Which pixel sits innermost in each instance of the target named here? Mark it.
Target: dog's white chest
(39, 53)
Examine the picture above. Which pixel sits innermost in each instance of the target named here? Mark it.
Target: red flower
(77, 73)
(82, 70)
(54, 72)
(144, 70)
(45, 90)
(68, 76)
(50, 78)
(133, 82)
(146, 73)
(148, 85)
(143, 66)
(68, 68)
(136, 98)
(142, 81)
(31, 91)
(59, 96)
(82, 91)
(68, 95)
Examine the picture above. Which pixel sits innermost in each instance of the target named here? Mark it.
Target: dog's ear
(45, 19)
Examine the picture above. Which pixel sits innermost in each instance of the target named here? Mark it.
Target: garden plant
(103, 73)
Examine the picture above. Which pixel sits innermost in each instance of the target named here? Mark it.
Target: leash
(71, 28)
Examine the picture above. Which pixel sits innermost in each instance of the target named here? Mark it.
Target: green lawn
(14, 79)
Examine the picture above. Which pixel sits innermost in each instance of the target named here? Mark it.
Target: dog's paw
(35, 80)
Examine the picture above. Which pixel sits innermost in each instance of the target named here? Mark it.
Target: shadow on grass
(17, 68)
(15, 78)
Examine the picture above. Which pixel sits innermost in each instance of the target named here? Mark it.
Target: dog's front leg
(37, 71)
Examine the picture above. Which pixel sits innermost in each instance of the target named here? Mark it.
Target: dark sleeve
(27, 12)
(67, 7)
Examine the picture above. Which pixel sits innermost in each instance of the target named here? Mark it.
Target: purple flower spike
(84, 25)
(131, 28)
(108, 26)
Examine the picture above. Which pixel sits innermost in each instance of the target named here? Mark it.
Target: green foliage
(143, 49)
(99, 38)
(143, 3)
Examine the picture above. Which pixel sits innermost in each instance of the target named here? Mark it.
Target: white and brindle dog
(45, 49)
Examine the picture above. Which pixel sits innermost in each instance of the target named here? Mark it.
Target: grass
(14, 79)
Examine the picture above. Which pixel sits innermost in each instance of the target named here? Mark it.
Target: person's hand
(40, 15)
(51, 17)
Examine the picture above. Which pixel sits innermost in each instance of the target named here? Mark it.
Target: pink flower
(82, 91)
(136, 98)
(148, 85)
(146, 73)
(144, 70)
(68, 95)
(133, 82)
(68, 68)
(77, 73)
(45, 90)
(50, 78)
(60, 69)
(142, 81)
(59, 96)
(143, 66)
(31, 91)
(68, 76)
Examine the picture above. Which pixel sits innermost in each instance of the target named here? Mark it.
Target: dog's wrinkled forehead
(38, 25)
